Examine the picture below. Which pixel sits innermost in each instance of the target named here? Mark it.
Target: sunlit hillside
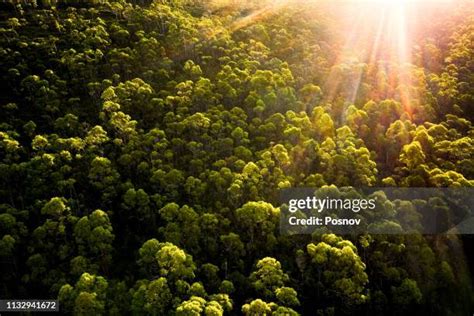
(144, 145)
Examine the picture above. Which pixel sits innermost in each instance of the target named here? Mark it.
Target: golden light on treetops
(167, 157)
(377, 38)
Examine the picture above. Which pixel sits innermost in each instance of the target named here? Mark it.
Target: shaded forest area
(143, 146)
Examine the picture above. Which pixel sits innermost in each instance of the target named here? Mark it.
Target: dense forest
(143, 145)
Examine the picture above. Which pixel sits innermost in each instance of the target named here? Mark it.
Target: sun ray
(259, 14)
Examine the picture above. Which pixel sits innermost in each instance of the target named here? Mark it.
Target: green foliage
(143, 145)
(334, 265)
(87, 296)
(268, 277)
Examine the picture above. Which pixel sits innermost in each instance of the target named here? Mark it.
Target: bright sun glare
(373, 32)
(395, 2)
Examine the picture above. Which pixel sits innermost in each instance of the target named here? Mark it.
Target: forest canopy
(143, 146)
